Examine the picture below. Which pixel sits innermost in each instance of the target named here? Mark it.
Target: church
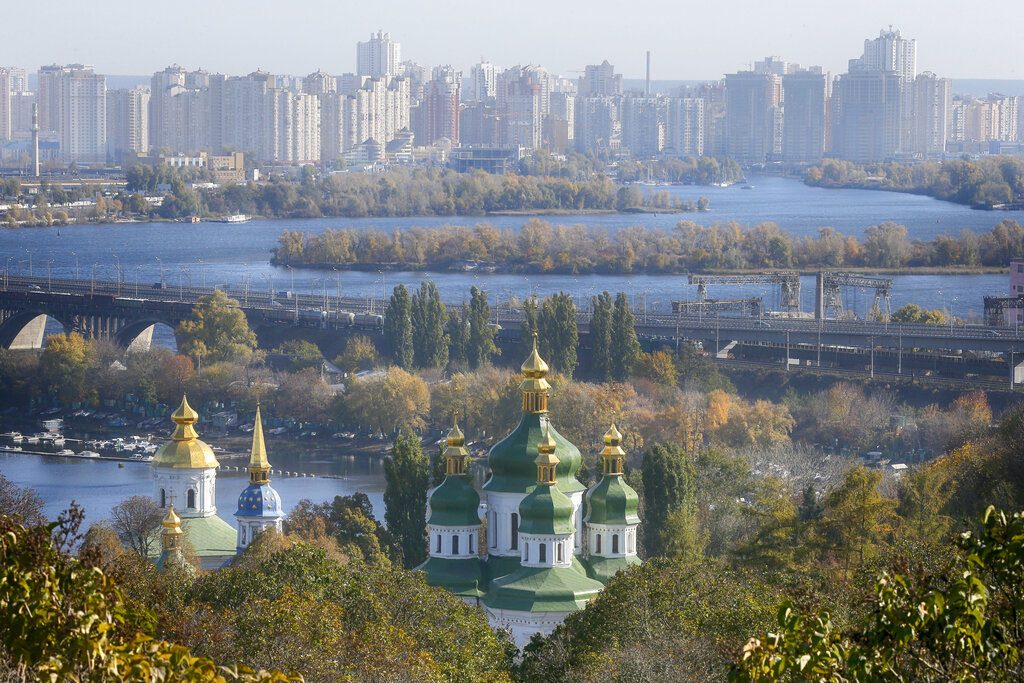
(540, 557)
(185, 472)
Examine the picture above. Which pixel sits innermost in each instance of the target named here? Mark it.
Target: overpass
(126, 312)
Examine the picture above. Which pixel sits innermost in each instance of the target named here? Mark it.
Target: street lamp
(7, 271)
(75, 254)
(92, 285)
(118, 272)
(138, 274)
(29, 252)
(160, 264)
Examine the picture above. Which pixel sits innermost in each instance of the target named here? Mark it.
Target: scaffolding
(788, 281)
(751, 306)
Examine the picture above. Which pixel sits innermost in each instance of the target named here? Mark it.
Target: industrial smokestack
(35, 140)
(647, 88)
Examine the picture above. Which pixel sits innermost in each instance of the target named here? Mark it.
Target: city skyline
(320, 35)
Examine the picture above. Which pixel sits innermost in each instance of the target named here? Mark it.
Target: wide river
(219, 253)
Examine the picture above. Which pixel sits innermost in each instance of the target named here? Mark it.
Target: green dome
(612, 501)
(543, 589)
(546, 510)
(604, 568)
(454, 503)
(511, 460)
(464, 576)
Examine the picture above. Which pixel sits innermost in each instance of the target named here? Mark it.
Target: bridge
(126, 313)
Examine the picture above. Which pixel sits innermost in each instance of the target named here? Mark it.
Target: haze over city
(699, 41)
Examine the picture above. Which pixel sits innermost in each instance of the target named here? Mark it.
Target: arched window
(472, 545)
(439, 544)
(515, 531)
(455, 544)
(494, 530)
(597, 544)
(163, 498)
(615, 544)
(527, 550)
(561, 553)
(630, 542)
(191, 499)
(242, 529)
(543, 553)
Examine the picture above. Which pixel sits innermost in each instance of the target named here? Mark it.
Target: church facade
(550, 544)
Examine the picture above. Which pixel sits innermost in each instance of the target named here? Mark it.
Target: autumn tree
(23, 505)
(624, 345)
(304, 396)
(389, 401)
(217, 330)
(657, 367)
(64, 366)
(406, 472)
(857, 517)
(136, 520)
(398, 328)
(360, 354)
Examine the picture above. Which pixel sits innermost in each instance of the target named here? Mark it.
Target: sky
(688, 41)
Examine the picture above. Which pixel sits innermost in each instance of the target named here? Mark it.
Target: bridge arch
(138, 335)
(25, 329)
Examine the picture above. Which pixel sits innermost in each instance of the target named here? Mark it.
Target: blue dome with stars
(259, 500)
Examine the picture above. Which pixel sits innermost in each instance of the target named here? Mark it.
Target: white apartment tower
(6, 97)
(888, 52)
(932, 106)
(82, 114)
(127, 122)
(481, 84)
(378, 57)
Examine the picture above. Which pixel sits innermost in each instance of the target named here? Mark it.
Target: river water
(232, 254)
(99, 485)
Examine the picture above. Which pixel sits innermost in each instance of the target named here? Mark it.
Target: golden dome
(534, 366)
(456, 454)
(612, 456)
(612, 437)
(455, 436)
(172, 522)
(185, 450)
(546, 459)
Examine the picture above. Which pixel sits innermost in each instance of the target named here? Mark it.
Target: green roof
(463, 577)
(208, 536)
(604, 568)
(546, 510)
(511, 460)
(543, 589)
(455, 503)
(612, 501)
(498, 566)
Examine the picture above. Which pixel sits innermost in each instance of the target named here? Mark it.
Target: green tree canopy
(405, 497)
(398, 328)
(480, 347)
(217, 331)
(558, 335)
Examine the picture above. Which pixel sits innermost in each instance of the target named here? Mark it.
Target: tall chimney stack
(647, 89)
(35, 140)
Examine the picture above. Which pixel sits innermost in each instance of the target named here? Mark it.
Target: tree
(393, 400)
(658, 367)
(360, 354)
(23, 505)
(857, 518)
(405, 497)
(135, 520)
(558, 336)
(528, 328)
(64, 619)
(963, 625)
(624, 345)
(669, 481)
(302, 354)
(217, 331)
(65, 364)
(600, 336)
(303, 395)
(429, 341)
(480, 347)
(457, 331)
(398, 328)
(912, 313)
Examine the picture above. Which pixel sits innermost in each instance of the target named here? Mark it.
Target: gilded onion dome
(612, 501)
(455, 502)
(546, 510)
(185, 450)
(511, 460)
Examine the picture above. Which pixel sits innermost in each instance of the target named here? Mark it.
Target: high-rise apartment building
(6, 92)
(437, 115)
(598, 128)
(803, 127)
(684, 127)
(378, 57)
(932, 99)
(643, 126)
(481, 84)
(753, 116)
(48, 96)
(600, 80)
(127, 122)
(888, 52)
(319, 83)
(560, 125)
(869, 116)
(75, 100)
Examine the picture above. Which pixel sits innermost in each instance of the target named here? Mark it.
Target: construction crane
(788, 281)
(996, 307)
(829, 294)
(751, 307)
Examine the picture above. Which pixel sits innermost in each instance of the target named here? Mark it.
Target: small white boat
(16, 437)
(65, 451)
(32, 439)
(235, 218)
(11, 449)
(88, 454)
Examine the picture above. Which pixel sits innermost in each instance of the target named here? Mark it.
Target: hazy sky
(688, 40)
